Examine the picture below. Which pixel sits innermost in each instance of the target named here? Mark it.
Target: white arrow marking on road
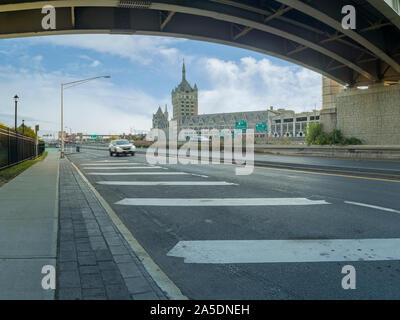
(120, 168)
(135, 173)
(286, 251)
(220, 202)
(167, 183)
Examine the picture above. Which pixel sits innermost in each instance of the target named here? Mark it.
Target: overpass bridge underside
(306, 32)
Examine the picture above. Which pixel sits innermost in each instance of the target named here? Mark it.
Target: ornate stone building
(185, 98)
(160, 119)
(268, 122)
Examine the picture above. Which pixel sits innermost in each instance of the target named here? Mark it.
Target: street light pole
(67, 86)
(16, 108)
(62, 120)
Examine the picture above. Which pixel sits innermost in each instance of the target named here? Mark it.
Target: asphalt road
(281, 234)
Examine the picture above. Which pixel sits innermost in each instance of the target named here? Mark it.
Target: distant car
(119, 147)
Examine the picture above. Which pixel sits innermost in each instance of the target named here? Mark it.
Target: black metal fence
(16, 148)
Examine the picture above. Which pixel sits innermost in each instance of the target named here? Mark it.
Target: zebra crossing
(235, 251)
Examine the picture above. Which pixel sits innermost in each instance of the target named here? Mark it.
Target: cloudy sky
(143, 72)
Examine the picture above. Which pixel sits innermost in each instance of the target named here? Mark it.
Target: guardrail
(16, 148)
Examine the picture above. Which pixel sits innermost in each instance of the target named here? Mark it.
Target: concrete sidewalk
(28, 230)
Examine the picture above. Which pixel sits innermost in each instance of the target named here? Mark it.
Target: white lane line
(113, 164)
(199, 175)
(120, 168)
(136, 173)
(207, 202)
(286, 251)
(112, 161)
(167, 183)
(372, 206)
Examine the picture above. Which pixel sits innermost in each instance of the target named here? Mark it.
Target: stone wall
(372, 115)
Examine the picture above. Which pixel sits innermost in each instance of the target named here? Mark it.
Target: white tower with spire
(185, 98)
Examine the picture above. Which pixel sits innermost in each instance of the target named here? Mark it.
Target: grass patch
(8, 174)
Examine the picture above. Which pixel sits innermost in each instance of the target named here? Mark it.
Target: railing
(16, 148)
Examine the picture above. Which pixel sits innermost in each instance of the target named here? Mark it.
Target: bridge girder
(307, 33)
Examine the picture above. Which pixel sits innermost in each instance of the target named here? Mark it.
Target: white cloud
(95, 63)
(257, 84)
(139, 49)
(96, 107)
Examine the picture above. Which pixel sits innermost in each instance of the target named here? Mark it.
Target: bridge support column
(372, 115)
(328, 115)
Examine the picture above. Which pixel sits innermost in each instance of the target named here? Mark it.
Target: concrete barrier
(346, 152)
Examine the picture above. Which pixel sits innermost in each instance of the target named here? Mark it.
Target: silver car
(122, 146)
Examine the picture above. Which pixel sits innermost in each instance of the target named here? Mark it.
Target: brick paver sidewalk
(94, 260)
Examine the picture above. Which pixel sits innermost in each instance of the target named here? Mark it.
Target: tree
(28, 131)
(3, 126)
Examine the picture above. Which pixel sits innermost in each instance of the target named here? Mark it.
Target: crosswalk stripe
(167, 183)
(207, 202)
(136, 173)
(120, 168)
(286, 251)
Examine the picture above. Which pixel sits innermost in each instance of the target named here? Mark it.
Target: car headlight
(119, 149)
(133, 148)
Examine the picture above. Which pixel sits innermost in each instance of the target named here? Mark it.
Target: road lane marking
(136, 173)
(167, 183)
(208, 202)
(112, 164)
(121, 168)
(330, 174)
(372, 206)
(286, 251)
(159, 277)
(111, 161)
(199, 175)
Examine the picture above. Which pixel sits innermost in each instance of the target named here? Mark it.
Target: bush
(316, 136)
(314, 130)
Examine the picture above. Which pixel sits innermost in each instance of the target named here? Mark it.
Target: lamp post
(16, 107)
(67, 86)
(23, 127)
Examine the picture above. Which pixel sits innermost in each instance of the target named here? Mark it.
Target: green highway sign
(93, 136)
(261, 127)
(242, 125)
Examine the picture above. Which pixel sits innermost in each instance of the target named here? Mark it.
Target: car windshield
(122, 142)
